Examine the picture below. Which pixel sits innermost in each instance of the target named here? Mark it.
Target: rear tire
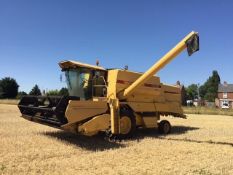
(164, 127)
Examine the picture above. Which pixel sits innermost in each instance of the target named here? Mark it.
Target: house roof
(225, 88)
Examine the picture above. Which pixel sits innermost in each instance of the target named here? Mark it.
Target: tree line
(9, 89)
(207, 91)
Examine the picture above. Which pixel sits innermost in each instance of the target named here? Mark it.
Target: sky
(36, 34)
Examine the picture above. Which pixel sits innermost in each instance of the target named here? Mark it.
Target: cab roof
(74, 64)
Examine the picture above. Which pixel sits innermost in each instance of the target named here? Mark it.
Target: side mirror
(192, 44)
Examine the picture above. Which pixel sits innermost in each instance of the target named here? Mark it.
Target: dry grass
(9, 101)
(198, 145)
(206, 110)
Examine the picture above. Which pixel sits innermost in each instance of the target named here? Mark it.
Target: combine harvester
(114, 101)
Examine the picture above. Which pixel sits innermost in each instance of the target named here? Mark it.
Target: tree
(202, 91)
(192, 91)
(64, 92)
(21, 94)
(35, 91)
(1, 92)
(8, 88)
(53, 92)
(209, 89)
(184, 97)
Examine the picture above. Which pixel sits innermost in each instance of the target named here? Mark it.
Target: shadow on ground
(176, 130)
(94, 143)
(99, 143)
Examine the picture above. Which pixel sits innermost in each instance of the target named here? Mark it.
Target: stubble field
(201, 144)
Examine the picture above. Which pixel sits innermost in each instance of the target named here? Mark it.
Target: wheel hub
(166, 127)
(125, 125)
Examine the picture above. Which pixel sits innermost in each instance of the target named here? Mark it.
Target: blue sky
(36, 34)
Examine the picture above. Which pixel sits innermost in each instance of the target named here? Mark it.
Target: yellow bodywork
(77, 111)
(93, 126)
(143, 93)
(159, 65)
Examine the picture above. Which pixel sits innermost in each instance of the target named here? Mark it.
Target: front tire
(127, 126)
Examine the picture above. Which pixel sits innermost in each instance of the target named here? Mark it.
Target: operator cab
(85, 81)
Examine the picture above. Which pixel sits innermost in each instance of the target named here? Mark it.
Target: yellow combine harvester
(114, 101)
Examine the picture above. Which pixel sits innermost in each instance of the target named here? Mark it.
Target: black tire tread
(161, 127)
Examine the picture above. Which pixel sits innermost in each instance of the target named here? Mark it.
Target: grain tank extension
(114, 101)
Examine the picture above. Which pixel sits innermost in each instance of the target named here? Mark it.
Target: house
(225, 96)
